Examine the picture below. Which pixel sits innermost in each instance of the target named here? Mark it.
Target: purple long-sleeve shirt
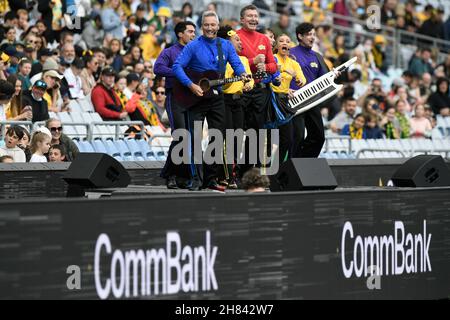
(309, 63)
(163, 65)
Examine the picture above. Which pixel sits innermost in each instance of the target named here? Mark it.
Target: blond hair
(38, 137)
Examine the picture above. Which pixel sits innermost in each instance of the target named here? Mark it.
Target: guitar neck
(220, 82)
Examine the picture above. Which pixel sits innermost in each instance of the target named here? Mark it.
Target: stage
(149, 243)
(44, 180)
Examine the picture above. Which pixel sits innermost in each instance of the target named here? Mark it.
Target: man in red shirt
(258, 50)
(105, 100)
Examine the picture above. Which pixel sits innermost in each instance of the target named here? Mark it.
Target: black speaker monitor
(423, 171)
(95, 170)
(303, 174)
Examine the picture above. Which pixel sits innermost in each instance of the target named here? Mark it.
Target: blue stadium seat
(147, 151)
(135, 149)
(112, 150)
(124, 150)
(99, 146)
(86, 146)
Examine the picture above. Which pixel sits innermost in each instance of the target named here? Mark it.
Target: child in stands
(13, 135)
(40, 144)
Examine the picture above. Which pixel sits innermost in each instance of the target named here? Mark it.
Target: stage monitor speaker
(95, 170)
(423, 171)
(303, 174)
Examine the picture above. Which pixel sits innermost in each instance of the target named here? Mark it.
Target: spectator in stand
(344, 117)
(14, 110)
(10, 36)
(120, 84)
(337, 50)
(57, 153)
(116, 49)
(420, 124)
(388, 14)
(53, 95)
(132, 84)
(372, 130)
(439, 101)
(356, 129)
(105, 100)
(340, 7)
(59, 138)
(12, 137)
(113, 19)
(6, 159)
(378, 52)
(282, 26)
(88, 74)
(24, 73)
(403, 119)
(390, 125)
(188, 13)
(160, 102)
(434, 26)
(371, 108)
(39, 146)
(422, 64)
(140, 108)
(34, 99)
(93, 33)
(72, 76)
(400, 94)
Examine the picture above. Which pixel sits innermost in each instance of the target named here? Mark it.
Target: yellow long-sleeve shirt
(289, 67)
(236, 87)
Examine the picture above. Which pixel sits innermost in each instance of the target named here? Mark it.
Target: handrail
(379, 149)
(117, 125)
(13, 122)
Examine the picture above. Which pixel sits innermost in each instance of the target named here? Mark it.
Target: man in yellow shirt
(289, 70)
(234, 112)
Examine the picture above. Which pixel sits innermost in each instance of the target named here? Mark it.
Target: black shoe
(195, 186)
(171, 183)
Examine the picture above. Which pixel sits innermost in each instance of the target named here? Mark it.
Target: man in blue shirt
(313, 67)
(202, 55)
(185, 32)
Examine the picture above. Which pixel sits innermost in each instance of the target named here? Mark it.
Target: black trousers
(255, 104)
(176, 114)
(234, 119)
(213, 110)
(312, 145)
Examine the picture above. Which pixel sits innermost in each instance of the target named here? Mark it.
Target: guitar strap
(221, 62)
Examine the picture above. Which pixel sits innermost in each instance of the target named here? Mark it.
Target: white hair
(210, 14)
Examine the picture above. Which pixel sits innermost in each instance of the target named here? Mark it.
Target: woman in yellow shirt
(234, 112)
(289, 70)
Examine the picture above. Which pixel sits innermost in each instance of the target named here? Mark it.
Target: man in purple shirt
(313, 66)
(185, 32)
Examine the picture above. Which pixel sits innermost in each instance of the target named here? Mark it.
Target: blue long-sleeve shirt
(164, 63)
(201, 55)
(309, 63)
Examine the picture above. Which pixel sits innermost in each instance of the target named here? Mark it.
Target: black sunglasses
(160, 92)
(54, 129)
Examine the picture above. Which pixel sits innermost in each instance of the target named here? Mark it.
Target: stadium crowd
(50, 62)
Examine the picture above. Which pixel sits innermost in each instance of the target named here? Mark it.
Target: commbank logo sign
(151, 272)
(390, 254)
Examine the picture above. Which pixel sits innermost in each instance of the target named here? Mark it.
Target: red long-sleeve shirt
(101, 99)
(254, 43)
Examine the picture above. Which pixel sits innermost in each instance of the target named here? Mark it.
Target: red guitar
(206, 80)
